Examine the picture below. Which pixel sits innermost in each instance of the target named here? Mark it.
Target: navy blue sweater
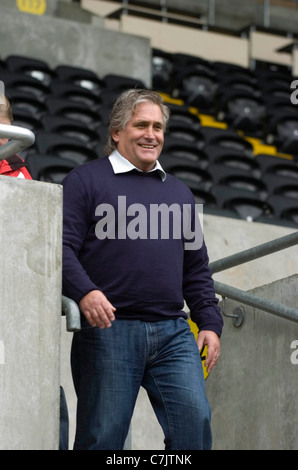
(147, 277)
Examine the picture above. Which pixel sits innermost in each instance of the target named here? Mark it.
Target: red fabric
(13, 166)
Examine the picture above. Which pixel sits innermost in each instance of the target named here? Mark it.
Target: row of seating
(257, 102)
(68, 109)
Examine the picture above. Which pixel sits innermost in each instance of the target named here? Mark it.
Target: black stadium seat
(162, 69)
(242, 111)
(48, 168)
(75, 93)
(232, 159)
(227, 139)
(120, 83)
(182, 114)
(284, 132)
(70, 128)
(174, 159)
(68, 148)
(25, 103)
(35, 68)
(74, 110)
(81, 77)
(242, 203)
(196, 88)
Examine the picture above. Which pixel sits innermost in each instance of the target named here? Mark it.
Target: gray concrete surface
(252, 391)
(30, 306)
(60, 41)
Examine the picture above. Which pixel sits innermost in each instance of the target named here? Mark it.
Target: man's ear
(115, 136)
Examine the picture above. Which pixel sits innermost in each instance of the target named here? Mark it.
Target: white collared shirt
(122, 165)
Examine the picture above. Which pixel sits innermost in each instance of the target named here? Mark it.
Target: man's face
(4, 120)
(142, 140)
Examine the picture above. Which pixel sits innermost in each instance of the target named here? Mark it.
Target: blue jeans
(110, 365)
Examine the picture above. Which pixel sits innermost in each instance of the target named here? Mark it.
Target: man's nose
(150, 132)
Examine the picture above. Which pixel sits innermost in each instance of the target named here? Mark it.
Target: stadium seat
(185, 150)
(48, 168)
(70, 128)
(242, 203)
(233, 163)
(181, 114)
(26, 120)
(120, 83)
(75, 93)
(173, 159)
(242, 111)
(226, 69)
(25, 103)
(244, 182)
(74, 110)
(181, 130)
(284, 132)
(31, 67)
(232, 159)
(238, 80)
(68, 148)
(277, 167)
(81, 77)
(162, 68)
(196, 88)
(227, 139)
(25, 84)
(205, 198)
(194, 177)
(285, 208)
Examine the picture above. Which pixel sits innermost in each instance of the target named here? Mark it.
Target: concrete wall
(57, 41)
(30, 306)
(224, 237)
(252, 391)
(173, 38)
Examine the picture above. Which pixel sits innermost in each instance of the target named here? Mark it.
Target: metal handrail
(73, 317)
(20, 139)
(255, 252)
(255, 301)
(247, 297)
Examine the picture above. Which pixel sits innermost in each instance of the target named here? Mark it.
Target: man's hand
(97, 309)
(211, 340)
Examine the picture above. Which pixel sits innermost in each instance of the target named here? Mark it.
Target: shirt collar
(122, 165)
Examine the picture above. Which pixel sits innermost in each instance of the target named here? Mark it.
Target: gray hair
(124, 108)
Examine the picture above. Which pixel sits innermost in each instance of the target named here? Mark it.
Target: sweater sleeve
(198, 287)
(76, 209)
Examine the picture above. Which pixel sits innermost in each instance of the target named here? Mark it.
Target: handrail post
(71, 310)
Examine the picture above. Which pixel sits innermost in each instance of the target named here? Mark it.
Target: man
(130, 279)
